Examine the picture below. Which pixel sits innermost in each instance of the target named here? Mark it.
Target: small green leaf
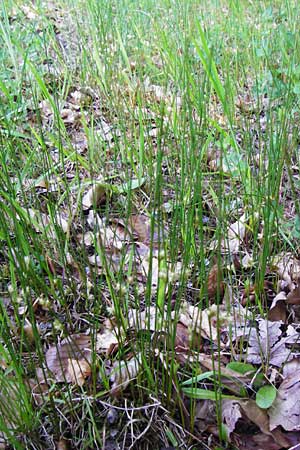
(198, 378)
(240, 367)
(205, 394)
(296, 88)
(265, 396)
(131, 185)
(296, 229)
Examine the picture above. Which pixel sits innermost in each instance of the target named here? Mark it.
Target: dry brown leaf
(261, 419)
(62, 444)
(291, 367)
(149, 319)
(70, 360)
(215, 282)
(293, 297)
(41, 222)
(285, 410)
(204, 322)
(140, 225)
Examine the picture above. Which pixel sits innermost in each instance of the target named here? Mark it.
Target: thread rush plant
(182, 85)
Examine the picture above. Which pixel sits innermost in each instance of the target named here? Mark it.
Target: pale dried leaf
(291, 367)
(287, 267)
(123, 373)
(266, 344)
(149, 319)
(233, 237)
(95, 195)
(106, 341)
(62, 444)
(231, 413)
(204, 322)
(285, 410)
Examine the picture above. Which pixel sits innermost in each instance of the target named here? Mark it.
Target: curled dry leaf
(41, 222)
(70, 361)
(293, 297)
(124, 372)
(62, 444)
(149, 319)
(285, 410)
(278, 308)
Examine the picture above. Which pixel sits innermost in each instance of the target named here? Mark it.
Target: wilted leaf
(70, 360)
(291, 367)
(285, 410)
(149, 319)
(207, 323)
(265, 396)
(42, 222)
(62, 444)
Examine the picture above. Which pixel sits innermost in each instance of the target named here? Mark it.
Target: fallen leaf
(231, 413)
(233, 237)
(62, 444)
(70, 360)
(149, 319)
(267, 344)
(278, 309)
(261, 419)
(215, 282)
(124, 372)
(287, 267)
(41, 222)
(106, 341)
(293, 297)
(207, 323)
(291, 367)
(285, 410)
(96, 195)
